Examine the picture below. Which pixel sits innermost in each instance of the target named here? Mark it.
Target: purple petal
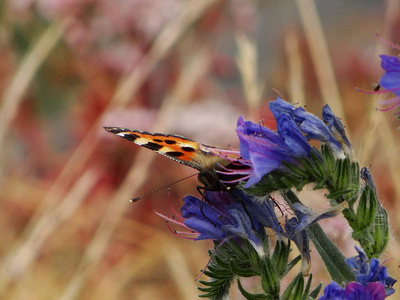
(293, 138)
(391, 78)
(356, 291)
(333, 291)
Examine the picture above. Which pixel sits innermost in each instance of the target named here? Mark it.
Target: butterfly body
(181, 150)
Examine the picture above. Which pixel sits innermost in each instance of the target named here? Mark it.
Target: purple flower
(263, 213)
(264, 150)
(203, 218)
(377, 273)
(370, 271)
(354, 291)
(230, 215)
(242, 226)
(373, 291)
(337, 129)
(312, 126)
(390, 80)
(234, 214)
(333, 291)
(359, 263)
(373, 282)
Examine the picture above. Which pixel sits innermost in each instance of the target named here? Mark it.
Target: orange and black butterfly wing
(175, 147)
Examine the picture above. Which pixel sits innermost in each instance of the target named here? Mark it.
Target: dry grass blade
(248, 68)
(296, 86)
(320, 56)
(26, 71)
(176, 261)
(17, 262)
(168, 37)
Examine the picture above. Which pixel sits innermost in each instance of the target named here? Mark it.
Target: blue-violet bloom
(390, 81)
(354, 291)
(373, 281)
(264, 150)
(370, 271)
(229, 215)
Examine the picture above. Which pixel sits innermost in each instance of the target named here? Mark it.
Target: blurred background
(188, 67)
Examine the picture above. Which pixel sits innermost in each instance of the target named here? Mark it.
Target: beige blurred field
(191, 67)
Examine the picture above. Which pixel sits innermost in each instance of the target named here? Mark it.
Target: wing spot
(174, 153)
(129, 136)
(153, 146)
(188, 149)
(170, 142)
(158, 140)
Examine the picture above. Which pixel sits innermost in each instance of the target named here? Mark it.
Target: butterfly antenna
(161, 188)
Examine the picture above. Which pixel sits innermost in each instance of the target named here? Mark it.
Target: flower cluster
(372, 283)
(237, 214)
(236, 218)
(266, 150)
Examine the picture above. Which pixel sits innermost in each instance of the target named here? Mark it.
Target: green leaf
(297, 286)
(216, 291)
(250, 296)
(287, 294)
(367, 207)
(291, 264)
(280, 256)
(329, 159)
(316, 291)
(318, 165)
(307, 289)
(221, 262)
(339, 193)
(243, 271)
(298, 292)
(269, 279)
(381, 232)
(219, 272)
(210, 284)
(331, 255)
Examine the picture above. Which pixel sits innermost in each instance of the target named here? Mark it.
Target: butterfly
(181, 150)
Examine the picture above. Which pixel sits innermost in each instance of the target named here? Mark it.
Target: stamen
(389, 108)
(235, 172)
(219, 151)
(182, 234)
(377, 92)
(168, 219)
(389, 43)
(237, 180)
(393, 100)
(172, 207)
(187, 233)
